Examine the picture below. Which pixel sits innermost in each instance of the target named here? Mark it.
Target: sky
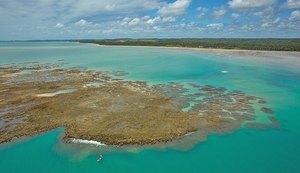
(101, 19)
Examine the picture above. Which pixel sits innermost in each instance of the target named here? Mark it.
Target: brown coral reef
(95, 105)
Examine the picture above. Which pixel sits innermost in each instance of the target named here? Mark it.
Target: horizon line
(119, 38)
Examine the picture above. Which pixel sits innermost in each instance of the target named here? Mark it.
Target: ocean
(246, 150)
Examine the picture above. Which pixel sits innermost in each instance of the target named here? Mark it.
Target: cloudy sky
(73, 19)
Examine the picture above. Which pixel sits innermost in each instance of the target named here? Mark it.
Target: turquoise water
(246, 150)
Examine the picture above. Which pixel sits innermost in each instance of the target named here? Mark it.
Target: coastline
(290, 58)
(191, 48)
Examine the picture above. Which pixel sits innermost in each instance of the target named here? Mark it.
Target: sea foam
(82, 141)
(189, 133)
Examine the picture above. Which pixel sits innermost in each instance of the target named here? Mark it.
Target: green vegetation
(220, 43)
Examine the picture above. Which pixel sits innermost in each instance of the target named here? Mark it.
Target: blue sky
(75, 19)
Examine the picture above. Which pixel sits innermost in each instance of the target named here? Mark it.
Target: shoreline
(291, 58)
(194, 48)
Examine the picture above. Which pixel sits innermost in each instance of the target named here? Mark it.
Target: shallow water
(246, 150)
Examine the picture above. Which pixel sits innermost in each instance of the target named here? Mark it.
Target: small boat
(100, 158)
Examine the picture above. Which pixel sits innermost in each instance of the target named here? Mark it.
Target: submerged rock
(267, 110)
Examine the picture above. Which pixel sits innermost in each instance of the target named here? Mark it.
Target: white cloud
(202, 9)
(201, 15)
(108, 31)
(246, 4)
(293, 3)
(235, 16)
(176, 8)
(270, 24)
(145, 18)
(126, 19)
(84, 23)
(156, 28)
(70, 10)
(145, 21)
(219, 13)
(266, 15)
(134, 22)
(110, 7)
(158, 19)
(91, 7)
(295, 16)
(168, 19)
(153, 21)
(215, 25)
(268, 18)
(81, 22)
(276, 20)
(59, 25)
(57, 19)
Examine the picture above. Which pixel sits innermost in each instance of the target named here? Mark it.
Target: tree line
(274, 44)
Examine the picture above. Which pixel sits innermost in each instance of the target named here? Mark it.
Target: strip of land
(271, 44)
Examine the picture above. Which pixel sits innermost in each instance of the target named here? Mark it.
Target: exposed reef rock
(93, 105)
